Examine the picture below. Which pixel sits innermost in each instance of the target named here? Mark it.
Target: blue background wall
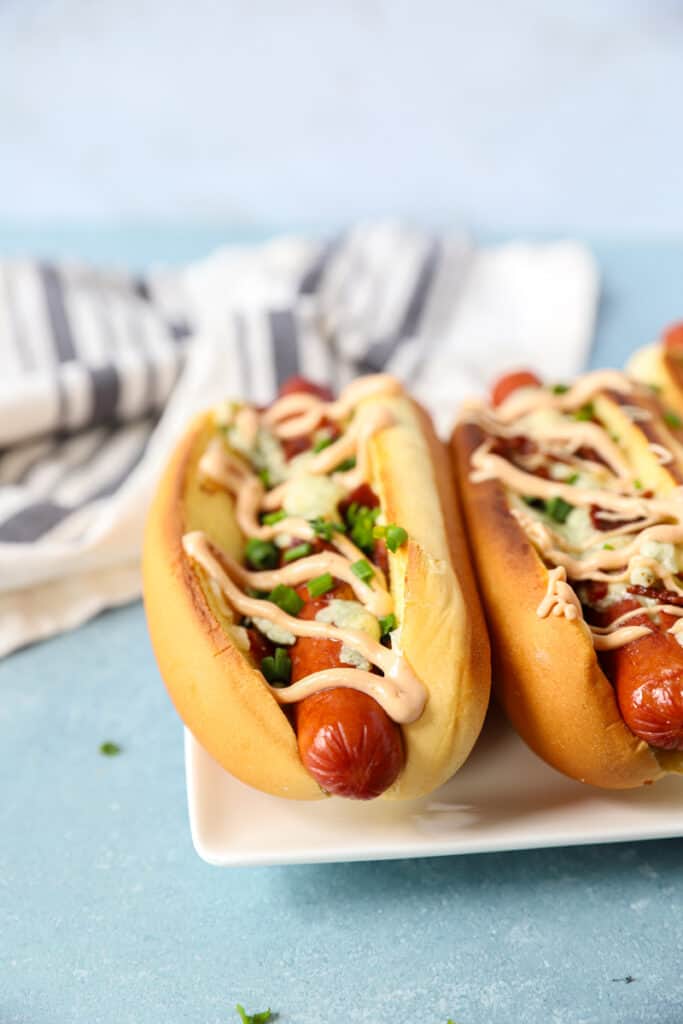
(309, 113)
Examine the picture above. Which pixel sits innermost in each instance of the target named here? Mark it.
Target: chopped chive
(320, 585)
(363, 570)
(638, 485)
(396, 536)
(299, 551)
(560, 389)
(361, 520)
(277, 668)
(558, 509)
(270, 518)
(253, 1018)
(572, 479)
(586, 412)
(261, 554)
(109, 749)
(608, 547)
(344, 466)
(672, 419)
(286, 598)
(321, 444)
(393, 534)
(324, 529)
(265, 478)
(387, 623)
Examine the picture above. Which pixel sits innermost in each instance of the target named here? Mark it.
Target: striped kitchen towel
(101, 371)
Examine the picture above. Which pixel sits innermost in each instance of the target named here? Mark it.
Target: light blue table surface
(107, 915)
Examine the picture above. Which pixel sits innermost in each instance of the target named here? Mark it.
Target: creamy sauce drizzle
(640, 522)
(398, 691)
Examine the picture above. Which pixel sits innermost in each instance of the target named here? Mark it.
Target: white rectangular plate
(504, 798)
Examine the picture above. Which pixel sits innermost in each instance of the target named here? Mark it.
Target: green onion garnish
(638, 485)
(344, 466)
(387, 623)
(277, 668)
(560, 389)
(265, 478)
(253, 1018)
(109, 749)
(286, 598)
(572, 479)
(558, 509)
(608, 547)
(672, 419)
(361, 519)
(320, 585)
(321, 444)
(298, 551)
(324, 529)
(270, 518)
(586, 412)
(393, 534)
(363, 570)
(261, 554)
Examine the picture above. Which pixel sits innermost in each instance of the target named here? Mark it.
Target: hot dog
(310, 599)
(573, 497)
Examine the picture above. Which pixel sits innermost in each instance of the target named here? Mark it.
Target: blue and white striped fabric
(101, 371)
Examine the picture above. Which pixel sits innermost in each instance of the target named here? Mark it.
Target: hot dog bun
(660, 367)
(217, 689)
(546, 672)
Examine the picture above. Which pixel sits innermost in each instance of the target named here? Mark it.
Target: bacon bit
(664, 596)
(513, 448)
(259, 645)
(362, 495)
(590, 455)
(517, 445)
(607, 524)
(295, 445)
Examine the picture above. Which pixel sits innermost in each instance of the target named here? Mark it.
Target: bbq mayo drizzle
(647, 520)
(398, 691)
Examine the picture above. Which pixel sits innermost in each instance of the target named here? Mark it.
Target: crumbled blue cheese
(561, 471)
(275, 633)
(577, 527)
(665, 554)
(350, 615)
(348, 656)
(641, 576)
(312, 496)
(265, 452)
(240, 637)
